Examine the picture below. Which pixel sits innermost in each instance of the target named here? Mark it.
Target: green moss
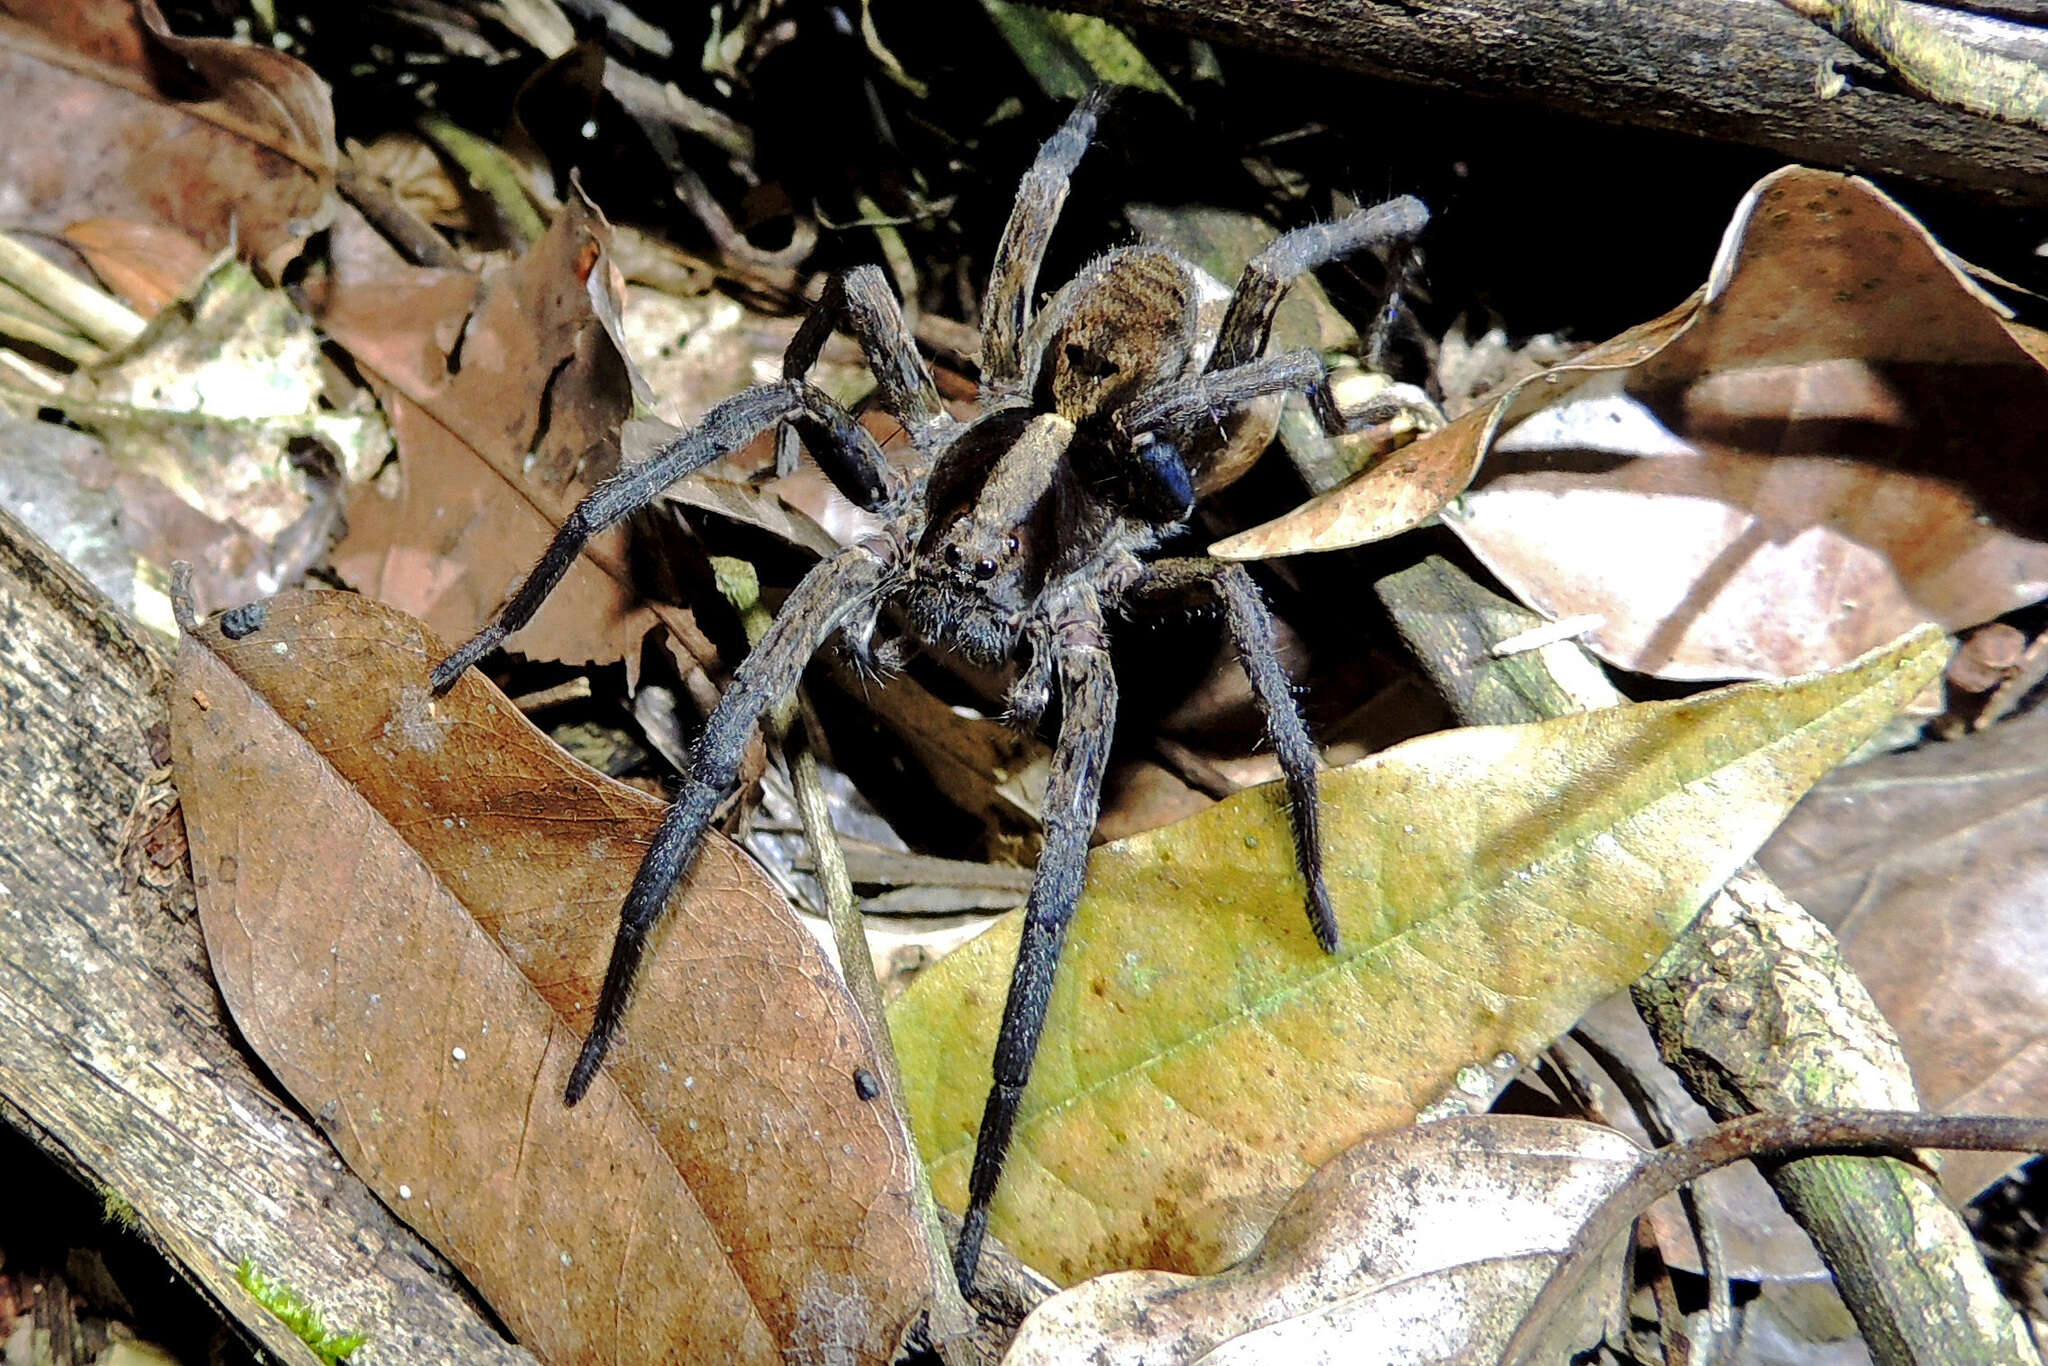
(295, 1313)
(117, 1211)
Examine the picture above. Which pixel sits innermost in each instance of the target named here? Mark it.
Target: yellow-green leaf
(1202, 1056)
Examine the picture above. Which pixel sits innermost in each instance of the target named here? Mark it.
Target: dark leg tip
(444, 676)
(584, 1072)
(967, 1253)
(454, 666)
(1322, 918)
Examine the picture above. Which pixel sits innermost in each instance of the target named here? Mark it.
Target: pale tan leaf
(1423, 1246)
(1836, 448)
(1411, 485)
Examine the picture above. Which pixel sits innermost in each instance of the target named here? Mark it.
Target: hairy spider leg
(1248, 318)
(1181, 412)
(820, 603)
(850, 457)
(1252, 629)
(861, 302)
(1072, 796)
(1394, 318)
(1013, 279)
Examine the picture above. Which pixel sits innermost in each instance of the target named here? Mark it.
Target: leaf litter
(246, 160)
(408, 903)
(442, 334)
(1932, 868)
(1821, 449)
(1490, 882)
(1427, 1244)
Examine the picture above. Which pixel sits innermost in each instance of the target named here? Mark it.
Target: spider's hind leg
(861, 301)
(1248, 318)
(1013, 279)
(726, 428)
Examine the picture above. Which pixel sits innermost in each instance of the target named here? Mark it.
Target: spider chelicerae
(1012, 539)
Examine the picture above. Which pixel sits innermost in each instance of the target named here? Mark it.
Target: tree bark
(116, 1055)
(1743, 71)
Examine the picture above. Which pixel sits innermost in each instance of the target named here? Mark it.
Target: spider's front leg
(826, 598)
(1073, 794)
(1251, 626)
(1186, 412)
(856, 466)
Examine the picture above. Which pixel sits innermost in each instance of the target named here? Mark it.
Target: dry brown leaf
(506, 399)
(1838, 447)
(409, 902)
(1932, 867)
(1424, 1245)
(249, 160)
(1832, 443)
(146, 264)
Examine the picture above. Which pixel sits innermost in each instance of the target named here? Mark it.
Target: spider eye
(953, 555)
(1012, 544)
(984, 569)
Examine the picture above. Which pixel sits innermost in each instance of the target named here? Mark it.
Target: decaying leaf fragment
(247, 161)
(408, 902)
(1201, 1055)
(211, 398)
(506, 397)
(1423, 1245)
(1831, 443)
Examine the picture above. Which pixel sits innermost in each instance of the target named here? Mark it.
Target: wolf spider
(1011, 541)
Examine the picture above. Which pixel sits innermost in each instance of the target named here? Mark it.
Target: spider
(1012, 541)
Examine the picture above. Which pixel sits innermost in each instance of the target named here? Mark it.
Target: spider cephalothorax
(1011, 541)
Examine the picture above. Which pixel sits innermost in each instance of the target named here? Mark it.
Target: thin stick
(1760, 1137)
(950, 1316)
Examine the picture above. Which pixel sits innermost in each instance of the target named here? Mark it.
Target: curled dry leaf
(1932, 868)
(1838, 447)
(506, 397)
(1201, 1055)
(249, 162)
(1424, 1245)
(408, 902)
(1832, 444)
(1412, 485)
